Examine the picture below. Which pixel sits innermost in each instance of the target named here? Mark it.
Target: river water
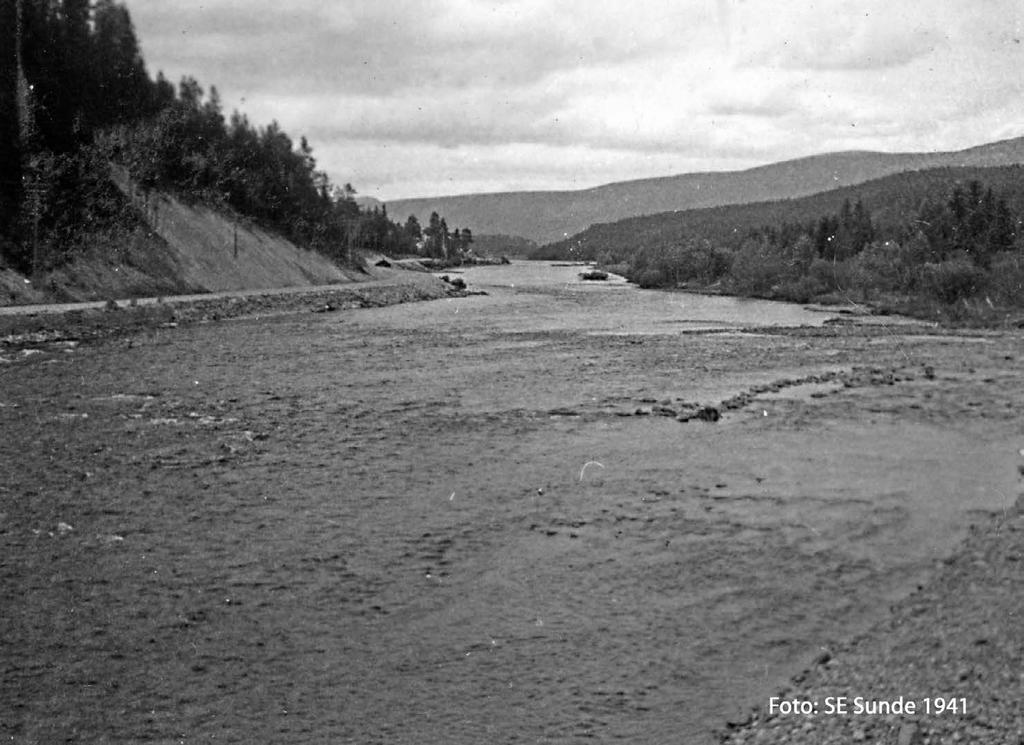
(465, 521)
(621, 308)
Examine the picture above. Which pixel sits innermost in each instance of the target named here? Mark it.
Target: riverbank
(942, 667)
(975, 312)
(21, 324)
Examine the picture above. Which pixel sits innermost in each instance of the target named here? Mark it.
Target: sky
(413, 98)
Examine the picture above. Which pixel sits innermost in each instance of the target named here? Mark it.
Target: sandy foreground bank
(482, 519)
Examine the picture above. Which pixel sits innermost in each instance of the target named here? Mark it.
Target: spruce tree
(124, 90)
(10, 140)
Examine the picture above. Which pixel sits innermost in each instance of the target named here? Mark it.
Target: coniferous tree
(825, 235)
(862, 229)
(1002, 231)
(433, 236)
(89, 101)
(163, 93)
(75, 55)
(444, 237)
(123, 90)
(41, 68)
(413, 231)
(10, 140)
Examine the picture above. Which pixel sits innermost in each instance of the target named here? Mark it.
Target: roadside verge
(41, 323)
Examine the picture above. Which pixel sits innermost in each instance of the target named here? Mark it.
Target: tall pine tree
(10, 140)
(123, 89)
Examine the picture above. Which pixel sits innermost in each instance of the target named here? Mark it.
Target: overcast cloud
(408, 98)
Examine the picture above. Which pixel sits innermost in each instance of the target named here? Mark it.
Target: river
(476, 519)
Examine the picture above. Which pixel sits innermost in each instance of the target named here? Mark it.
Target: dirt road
(475, 519)
(376, 277)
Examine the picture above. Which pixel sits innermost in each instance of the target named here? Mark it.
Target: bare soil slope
(216, 252)
(181, 249)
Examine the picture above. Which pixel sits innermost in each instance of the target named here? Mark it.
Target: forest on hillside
(75, 97)
(947, 236)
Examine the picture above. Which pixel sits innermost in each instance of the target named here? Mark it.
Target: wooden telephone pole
(352, 230)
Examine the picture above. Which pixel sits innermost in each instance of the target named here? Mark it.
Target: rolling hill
(546, 216)
(889, 200)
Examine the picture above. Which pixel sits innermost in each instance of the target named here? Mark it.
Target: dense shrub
(801, 290)
(671, 266)
(944, 245)
(622, 269)
(717, 264)
(757, 270)
(73, 207)
(953, 280)
(834, 276)
(652, 278)
(1006, 278)
(880, 266)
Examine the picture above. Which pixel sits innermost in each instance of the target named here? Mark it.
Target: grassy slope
(215, 252)
(183, 249)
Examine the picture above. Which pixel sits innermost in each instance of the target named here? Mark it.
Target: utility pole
(35, 191)
(234, 222)
(352, 231)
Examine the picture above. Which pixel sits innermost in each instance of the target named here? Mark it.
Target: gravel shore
(53, 323)
(959, 639)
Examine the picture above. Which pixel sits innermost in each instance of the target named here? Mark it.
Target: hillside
(77, 97)
(889, 199)
(509, 246)
(215, 252)
(940, 243)
(546, 216)
(178, 248)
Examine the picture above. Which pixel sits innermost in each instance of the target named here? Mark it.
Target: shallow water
(622, 307)
(444, 522)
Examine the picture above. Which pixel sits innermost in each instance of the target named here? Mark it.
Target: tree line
(944, 235)
(75, 96)
(437, 241)
(67, 70)
(967, 245)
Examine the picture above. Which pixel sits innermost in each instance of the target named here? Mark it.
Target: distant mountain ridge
(890, 200)
(369, 203)
(546, 216)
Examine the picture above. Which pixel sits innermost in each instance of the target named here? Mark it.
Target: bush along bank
(956, 256)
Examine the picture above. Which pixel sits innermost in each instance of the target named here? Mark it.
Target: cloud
(366, 46)
(514, 92)
(867, 35)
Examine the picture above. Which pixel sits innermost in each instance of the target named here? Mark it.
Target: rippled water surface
(473, 520)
